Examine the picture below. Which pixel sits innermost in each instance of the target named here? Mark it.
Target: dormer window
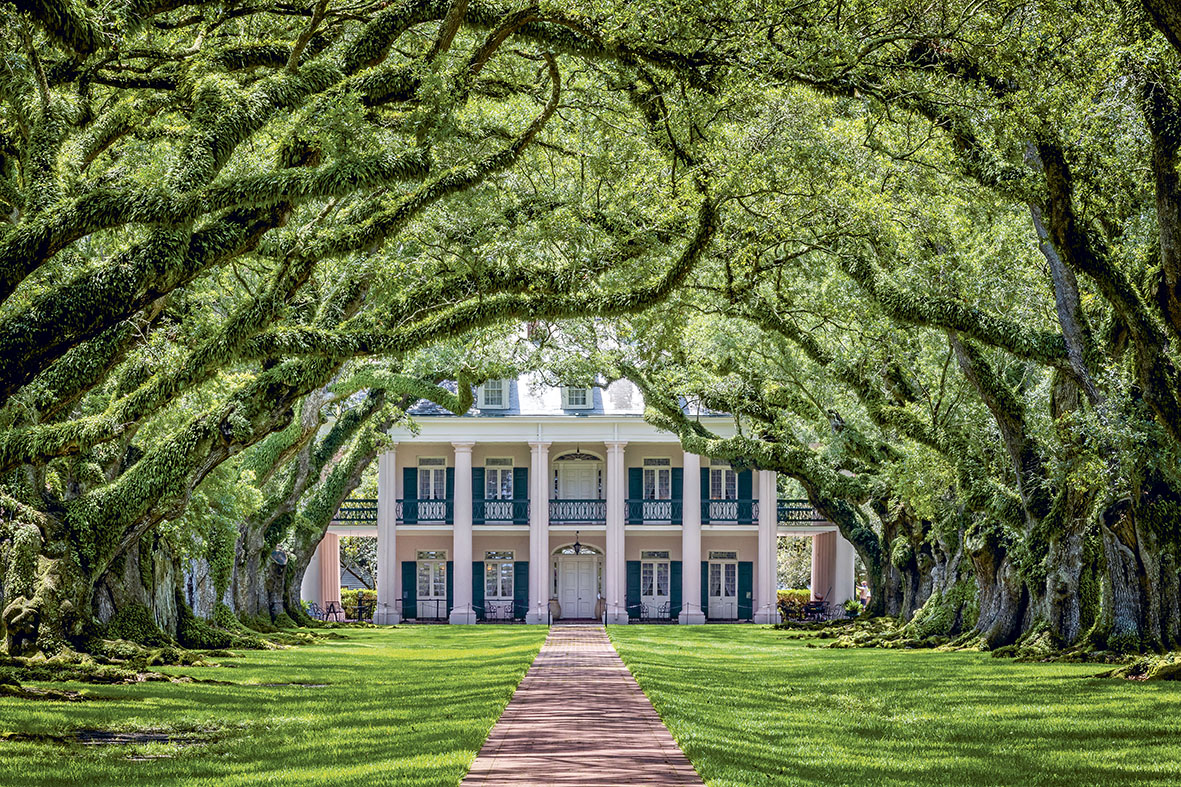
(576, 398)
(493, 395)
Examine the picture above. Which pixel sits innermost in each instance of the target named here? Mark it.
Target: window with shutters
(432, 478)
(658, 479)
(498, 479)
(498, 575)
(432, 574)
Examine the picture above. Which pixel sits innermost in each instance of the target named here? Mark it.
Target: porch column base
(386, 618)
(617, 618)
(463, 617)
(535, 618)
(691, 617)
(768, 615)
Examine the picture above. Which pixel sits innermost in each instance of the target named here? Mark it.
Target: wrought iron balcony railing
(798, 510)
(729, 512)
(569, 512)
(496, 511)
(654, 511)
(434, 511)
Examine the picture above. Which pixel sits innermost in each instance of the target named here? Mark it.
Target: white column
(767, 609)
(461, 536)
(309, 589)
(842, 575)
(329, 550)
(538, 534)
(823, 562)
(691, 612)
(615, 568)
(387, 532)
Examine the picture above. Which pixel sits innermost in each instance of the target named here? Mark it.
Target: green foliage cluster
(135, 623)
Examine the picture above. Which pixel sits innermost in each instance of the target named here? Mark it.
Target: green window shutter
(635, 491)
(520, 588)
(409, 589)
(746, 586)
(478, 588)
(745, 484)
(674, 581)
(450, 488)
(678, 493)
(633, 589)
(450, 585)
(409, 495)
(705, 587)
(520, 492)
(449, 494)
(705, 483)
(477, 495)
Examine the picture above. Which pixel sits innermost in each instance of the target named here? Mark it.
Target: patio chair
(334, 611)
(315, 612)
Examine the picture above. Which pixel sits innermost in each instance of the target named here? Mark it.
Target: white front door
(723, 590)
(578, 481)
(578, 585)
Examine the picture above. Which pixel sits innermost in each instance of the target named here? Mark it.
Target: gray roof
(528, 395)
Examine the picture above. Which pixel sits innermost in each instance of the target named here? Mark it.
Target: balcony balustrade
(729, 512)
(573, 512)
(654, 511)
(713, 512)
(501, 511)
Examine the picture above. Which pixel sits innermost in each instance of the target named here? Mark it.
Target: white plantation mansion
(545, 502)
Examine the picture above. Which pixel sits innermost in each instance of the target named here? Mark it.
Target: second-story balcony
(579, 512)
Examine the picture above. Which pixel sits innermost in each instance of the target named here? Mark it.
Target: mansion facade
(547, 502)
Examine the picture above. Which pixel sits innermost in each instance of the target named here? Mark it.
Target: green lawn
(750, 706)
(405, 706)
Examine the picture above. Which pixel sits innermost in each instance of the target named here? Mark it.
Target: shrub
(348, 600)
(791, 603)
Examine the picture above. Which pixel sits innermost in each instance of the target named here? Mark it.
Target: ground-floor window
(654, 573)
(498, 575)
(432, 574)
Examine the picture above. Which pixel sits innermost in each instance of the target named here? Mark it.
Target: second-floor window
(498, 479)
(723, 481)
(432, 478)
(658, 479)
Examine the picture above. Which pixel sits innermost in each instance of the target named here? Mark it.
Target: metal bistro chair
(499, 611)
(334, 611)
(315, 612)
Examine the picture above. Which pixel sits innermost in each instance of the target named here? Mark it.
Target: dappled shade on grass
(404, 706)
(754, 706)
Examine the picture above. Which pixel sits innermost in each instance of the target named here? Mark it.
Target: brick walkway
(579, 718)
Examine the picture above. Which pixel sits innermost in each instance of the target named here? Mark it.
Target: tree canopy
(927, 256)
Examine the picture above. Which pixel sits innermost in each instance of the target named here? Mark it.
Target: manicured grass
(404, 706)
(750, 706)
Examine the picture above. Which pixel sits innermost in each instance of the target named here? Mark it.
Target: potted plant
(852, 608)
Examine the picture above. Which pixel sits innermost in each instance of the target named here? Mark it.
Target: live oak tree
(214, 213)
